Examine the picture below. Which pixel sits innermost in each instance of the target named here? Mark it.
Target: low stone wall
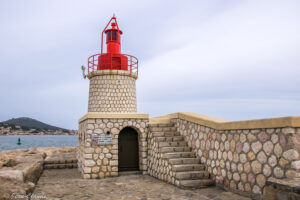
(20, 169)
(100, 161)
(243, 155)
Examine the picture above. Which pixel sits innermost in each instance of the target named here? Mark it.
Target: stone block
(89, 163)
(89, 150)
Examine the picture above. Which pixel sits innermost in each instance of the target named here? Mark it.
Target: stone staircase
(60, 164)
(171, 160)
(61, 160)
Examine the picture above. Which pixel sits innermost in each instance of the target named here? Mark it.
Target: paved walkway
(67, 184)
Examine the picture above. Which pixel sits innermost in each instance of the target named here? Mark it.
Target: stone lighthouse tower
(112, 135)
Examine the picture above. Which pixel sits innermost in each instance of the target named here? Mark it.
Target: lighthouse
(112, 134)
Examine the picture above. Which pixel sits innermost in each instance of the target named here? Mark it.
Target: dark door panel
(128, 150)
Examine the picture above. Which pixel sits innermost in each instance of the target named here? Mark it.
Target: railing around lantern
(132, 64)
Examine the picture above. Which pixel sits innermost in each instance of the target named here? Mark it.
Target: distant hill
(30, 123)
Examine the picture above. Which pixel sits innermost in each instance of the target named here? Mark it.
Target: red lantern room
(112, 59)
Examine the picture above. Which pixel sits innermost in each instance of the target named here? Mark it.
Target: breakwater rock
(20, 169)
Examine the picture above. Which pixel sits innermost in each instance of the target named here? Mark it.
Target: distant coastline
(9, 129)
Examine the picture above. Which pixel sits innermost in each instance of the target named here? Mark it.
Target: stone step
(165, 133)
(179, 155)
(60, 166)
(174, 149)
(59, 161)
(172, 144)
(192, 175)
(188, 167)
(161, 125)
(179, 161)
(169, 139)
(162, 129)
(199, 183)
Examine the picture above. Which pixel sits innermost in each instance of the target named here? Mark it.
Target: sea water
(10, 142)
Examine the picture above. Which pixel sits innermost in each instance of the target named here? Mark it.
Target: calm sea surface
(10, 142)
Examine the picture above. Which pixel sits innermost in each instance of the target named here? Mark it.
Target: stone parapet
(220, 124)
(242, 156)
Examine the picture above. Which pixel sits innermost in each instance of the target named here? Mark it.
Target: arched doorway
(128, 150)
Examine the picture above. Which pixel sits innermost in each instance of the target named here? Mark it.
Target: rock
(267, 170)
(263, 136)
(105, 150)
(236, 176)
(89, 163)
(278, 172)
(32, 150)
(232, 185)
(272, 161)
(89, 150)
(239, 147)
(91, 126)
(246, 147)
(278, 150)
(274, 138)
(291, 154)
(251, 156)
(243, 138)
(261, 157)
(283, 163)
(292, 174)
(247, 187)
(256, 146)
(105, 161)
(240, 168)
(251, 137)
(232, 145)
(10, 163)
(98, 150)
(268, 147)
(33, 171)
(240, 187)
(87, 170)
(101, 156)
(260, 180)
(296, 164)
(9, 189)
(256, 189)
(270, 130)
(247, 167)
(14, 175)
(244, 177)
(282, 141)
(243, 158)
(95, 169)
(256, 167)
(251, 178)
(288, 130)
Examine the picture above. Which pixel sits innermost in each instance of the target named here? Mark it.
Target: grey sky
(234, 60)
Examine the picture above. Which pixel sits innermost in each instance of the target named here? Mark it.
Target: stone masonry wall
(243, 160)
(100, 161)
(114, 92)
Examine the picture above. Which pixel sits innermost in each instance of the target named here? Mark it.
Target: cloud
(231, 59)
(248, 51)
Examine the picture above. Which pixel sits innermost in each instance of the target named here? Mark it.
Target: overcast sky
(232, 59)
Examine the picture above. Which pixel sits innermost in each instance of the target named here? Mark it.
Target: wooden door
(128, 150)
